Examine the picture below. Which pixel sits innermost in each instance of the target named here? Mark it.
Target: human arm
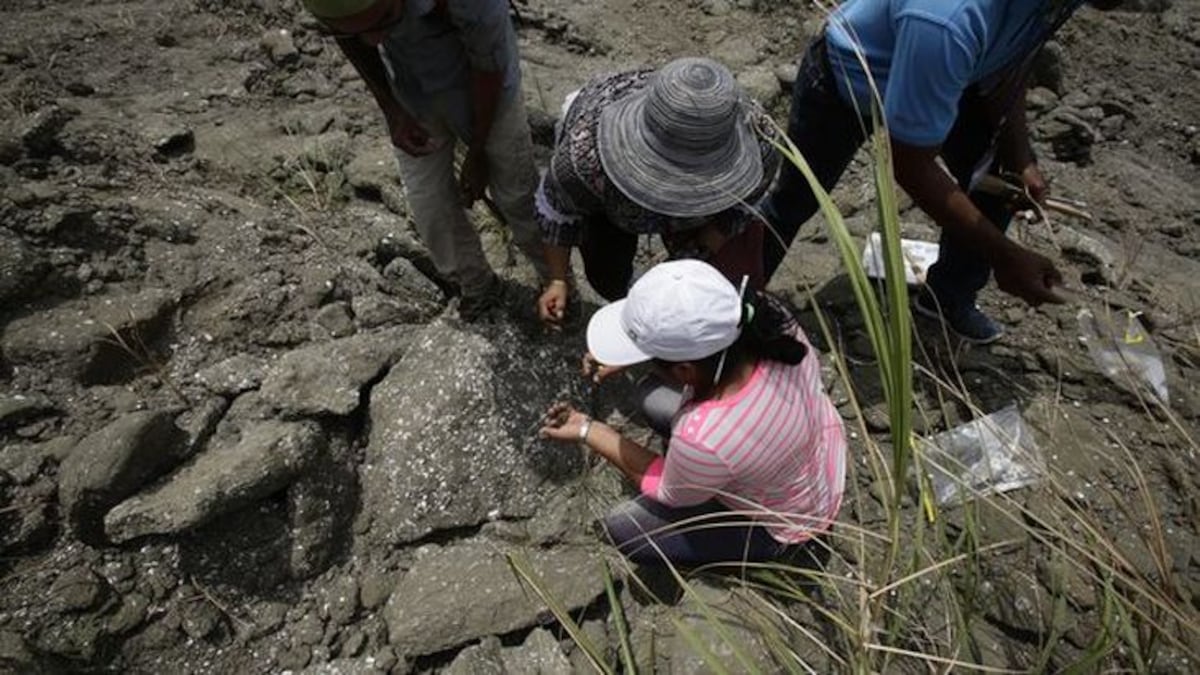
(1019, 271)
(932, 66)
(564, 423)
(1016, 151)
(406, 133)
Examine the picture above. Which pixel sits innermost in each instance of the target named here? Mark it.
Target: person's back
(777, 446)
(923, 54)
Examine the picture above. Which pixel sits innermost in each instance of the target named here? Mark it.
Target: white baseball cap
(683, 310)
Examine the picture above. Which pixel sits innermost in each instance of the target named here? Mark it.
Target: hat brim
(607, 340)
(700, 187)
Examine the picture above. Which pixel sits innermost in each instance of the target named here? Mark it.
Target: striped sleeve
(691, 474)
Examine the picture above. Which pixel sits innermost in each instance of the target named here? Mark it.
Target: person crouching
(756, 460)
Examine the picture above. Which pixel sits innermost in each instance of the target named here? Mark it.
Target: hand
(552, 305)
(562, 423)
(1027, 275)
(1035, 183)
(596, 370)
(408, 135)
(474, 179)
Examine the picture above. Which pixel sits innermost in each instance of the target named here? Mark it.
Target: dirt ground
(188, 181)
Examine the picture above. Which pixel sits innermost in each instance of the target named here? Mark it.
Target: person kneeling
(756, 461)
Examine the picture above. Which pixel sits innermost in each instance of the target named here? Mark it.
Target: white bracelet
(584, 429)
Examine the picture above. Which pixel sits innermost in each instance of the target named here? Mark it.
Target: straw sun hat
(682, 146)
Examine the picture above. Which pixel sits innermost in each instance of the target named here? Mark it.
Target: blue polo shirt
(924, 53)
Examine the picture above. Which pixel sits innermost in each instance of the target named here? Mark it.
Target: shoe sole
(937, 316)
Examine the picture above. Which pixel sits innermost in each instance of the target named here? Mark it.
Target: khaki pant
(435, 202)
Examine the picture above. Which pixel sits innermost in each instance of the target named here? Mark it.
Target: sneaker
(485, 305)
(968, 323)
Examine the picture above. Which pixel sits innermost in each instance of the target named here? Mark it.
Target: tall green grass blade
(530, 578)
(619, 623)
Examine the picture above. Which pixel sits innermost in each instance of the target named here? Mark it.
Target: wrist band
(584, 429)
(552, 282)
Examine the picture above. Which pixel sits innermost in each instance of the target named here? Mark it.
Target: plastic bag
(918, 257)
(1123, 350)
(995, 453)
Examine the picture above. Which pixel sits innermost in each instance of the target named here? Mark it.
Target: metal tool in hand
(1015, 192)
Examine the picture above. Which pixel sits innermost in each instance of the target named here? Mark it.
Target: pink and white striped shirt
(775, 448)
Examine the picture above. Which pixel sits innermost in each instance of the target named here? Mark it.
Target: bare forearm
(367, 62)
(936, 193)
(558, 260)
(1015, 151)
(632, 459)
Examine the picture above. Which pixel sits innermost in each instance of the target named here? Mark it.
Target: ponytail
(768, 333)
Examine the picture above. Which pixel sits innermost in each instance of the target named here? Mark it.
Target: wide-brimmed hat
(682, 146)
(683, 310)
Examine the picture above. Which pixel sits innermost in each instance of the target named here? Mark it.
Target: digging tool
(1001, 187)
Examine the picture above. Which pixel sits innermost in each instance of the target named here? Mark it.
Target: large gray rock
(538, 655)
(327, 378)
(85, 336)
(114, 463)
(267, 458)
(20, 269)
(737, 630)
(464, 592)
(454, 432)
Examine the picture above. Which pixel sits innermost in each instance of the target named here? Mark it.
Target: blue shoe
(967, 322)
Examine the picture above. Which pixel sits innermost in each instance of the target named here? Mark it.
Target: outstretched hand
(552, 305)
(598, 372)
(1028, 275)
(562, 422)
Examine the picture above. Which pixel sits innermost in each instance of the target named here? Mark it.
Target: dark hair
(768, 332)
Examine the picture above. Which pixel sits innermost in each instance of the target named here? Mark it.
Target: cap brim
(608, 341)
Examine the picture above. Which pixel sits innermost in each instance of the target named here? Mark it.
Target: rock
(130, 615)
(375, 589)
(344, 667)
(724, 620)
(18, 409)
(716, 7)
(787, 73)
(224, 478)
(234, 375)
(1094, 256)
(308, 630)
(32, 525)
(375, 310)
(1071, 138)
(1048, 67)
(760, 82)
(328, 378)
(320, 512)
(15, 656)
(738, 51)
(539, 654)
(480, 659)
(308, 82)
(280, 47)
(341, 600)
(21, 268)
(114, 463)
(201, 619)
(39, 133)
(353, 643)
(467, 591)
(76, 590)
(333, 321)
(404, 280)
(452, 438)
(1040, 99)
(200, 422)
(372, 171)
(83, 336)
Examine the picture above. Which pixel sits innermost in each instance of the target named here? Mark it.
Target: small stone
(76, 590)
(130, 615)
(787, 73)
(280, 47)
(200, 619)
(353, 644)
(716, 7)
(333, 321)
(374, 590)
(308, 630)
(341, 601)
(295, 658)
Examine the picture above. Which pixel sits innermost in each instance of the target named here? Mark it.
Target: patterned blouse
(575, 188)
